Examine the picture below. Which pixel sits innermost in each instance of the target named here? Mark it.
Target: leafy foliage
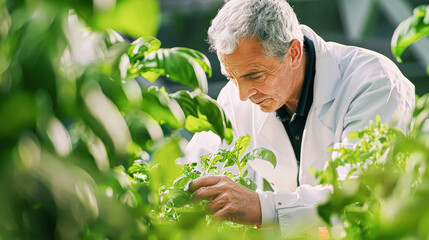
(410, 30)
(380, 195)
(85, 146)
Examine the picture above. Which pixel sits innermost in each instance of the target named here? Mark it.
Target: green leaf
(144, 129)
(410, 30)
(214, 160)
(180, 198)
(134, 18)
(229, 163)
(187, 103)
(201, 59)
(203, 114)
(247, 182)
(261, 153)
(214, 114)
(17, 112)
(181, 181)
(162, 109)
(241, 145)
(141, 47)
(176, 65)
(163, 157)
(353, 135)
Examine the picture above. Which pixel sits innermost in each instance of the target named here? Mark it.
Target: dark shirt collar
(306, 97)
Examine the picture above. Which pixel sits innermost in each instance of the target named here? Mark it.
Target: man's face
(264, 80)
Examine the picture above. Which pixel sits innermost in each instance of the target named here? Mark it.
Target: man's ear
(295, 53)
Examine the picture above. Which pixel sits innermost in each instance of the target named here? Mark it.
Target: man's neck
(292, 104)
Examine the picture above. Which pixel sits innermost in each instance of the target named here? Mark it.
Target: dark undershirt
(294, 125)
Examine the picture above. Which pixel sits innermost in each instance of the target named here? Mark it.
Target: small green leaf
(261, 153)
(181, 181)
(247, 182)
(229, 163)
(353, 135)
(241, 145)
(180, 198)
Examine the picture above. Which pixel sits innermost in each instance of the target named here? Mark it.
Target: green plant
(77, 128)
(177, 205)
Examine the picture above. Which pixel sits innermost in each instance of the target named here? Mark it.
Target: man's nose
(245, 90)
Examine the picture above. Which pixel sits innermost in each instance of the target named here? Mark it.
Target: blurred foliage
(411, 30)
(385, 191)
(80, 131)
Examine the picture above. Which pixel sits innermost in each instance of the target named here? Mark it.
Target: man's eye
(254, 77)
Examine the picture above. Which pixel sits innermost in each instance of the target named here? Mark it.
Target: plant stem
(240, 171)
(245, 229)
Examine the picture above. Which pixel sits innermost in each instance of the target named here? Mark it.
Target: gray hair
(273, 22)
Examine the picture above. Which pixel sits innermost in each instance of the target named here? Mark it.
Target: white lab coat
(351, 86)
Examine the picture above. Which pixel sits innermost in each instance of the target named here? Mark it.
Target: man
(296, 95)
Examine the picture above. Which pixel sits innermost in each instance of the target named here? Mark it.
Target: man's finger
(216, 204)
(223, 215)
(204, 181)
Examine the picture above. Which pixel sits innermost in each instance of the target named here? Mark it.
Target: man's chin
(266, 109)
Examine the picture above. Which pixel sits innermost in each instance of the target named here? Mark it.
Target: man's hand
(228, 200)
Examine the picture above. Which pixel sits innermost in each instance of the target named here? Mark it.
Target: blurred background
(365, 23)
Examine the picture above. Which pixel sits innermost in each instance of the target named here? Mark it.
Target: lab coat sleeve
(295, 213)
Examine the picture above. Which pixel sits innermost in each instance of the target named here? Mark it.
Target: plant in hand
(216, 163)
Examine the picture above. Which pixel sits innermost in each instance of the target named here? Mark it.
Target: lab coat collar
(327, 72)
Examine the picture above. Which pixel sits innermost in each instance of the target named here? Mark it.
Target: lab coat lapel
(319, 129)
(272, 135)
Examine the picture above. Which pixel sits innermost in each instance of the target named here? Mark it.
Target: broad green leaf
(105, 118)
(186, 102)
(134, 18)
(141, 47)
(241, 145)
(203, 114)
(213, 113)
(176, 66)
(151, 75)
(261, 153)
(144, 129)
(194, 124)
(201, 59)
(410, 30)
(162, 109)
